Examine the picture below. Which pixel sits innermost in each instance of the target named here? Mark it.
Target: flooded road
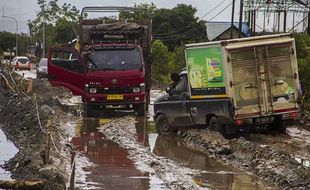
(214, 175)
(107, 165)
(8, 150)
(103, 164)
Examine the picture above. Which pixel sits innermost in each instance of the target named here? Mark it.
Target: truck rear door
(263, 79)
(65, 68)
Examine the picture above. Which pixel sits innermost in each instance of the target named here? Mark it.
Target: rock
(47, 109)
(47, 172)
(225, 150)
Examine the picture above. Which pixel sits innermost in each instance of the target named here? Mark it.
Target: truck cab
(175, 110)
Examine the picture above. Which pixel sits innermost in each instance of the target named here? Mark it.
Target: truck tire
(90, 110)
(214, 124)
(279, 126)
(162, 126)
(140, 109)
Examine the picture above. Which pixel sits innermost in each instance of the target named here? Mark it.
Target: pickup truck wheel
(280, 127)
(162, 126)
(214, 124)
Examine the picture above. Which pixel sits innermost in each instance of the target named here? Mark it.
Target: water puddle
(214, 175)
(107, 165)
(8, 150)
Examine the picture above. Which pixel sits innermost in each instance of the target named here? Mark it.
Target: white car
(21, 62)
(42, 68)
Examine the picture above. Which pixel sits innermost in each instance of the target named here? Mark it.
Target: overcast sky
(24, 10)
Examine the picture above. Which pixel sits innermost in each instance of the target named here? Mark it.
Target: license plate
(115, 97)
(264, 120)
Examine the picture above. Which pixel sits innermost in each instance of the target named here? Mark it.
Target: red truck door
(66, 68)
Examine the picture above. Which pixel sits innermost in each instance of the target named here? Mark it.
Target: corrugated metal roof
(214, 29)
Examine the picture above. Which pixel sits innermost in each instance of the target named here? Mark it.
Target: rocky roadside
(273, 166)
(24, 119)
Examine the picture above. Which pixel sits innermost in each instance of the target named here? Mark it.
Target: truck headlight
(93, 90)
(136, 89)
(142, 87)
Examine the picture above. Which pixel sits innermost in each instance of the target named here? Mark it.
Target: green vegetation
(303, 57)
(60, 23)
(172, 28)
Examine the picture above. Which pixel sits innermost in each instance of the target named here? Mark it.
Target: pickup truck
(232, 86)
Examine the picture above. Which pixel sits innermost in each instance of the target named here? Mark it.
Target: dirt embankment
(273, 166)
(24, 120)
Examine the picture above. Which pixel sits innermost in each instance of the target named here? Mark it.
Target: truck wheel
(162, 126)
(280, 127)
(89, 110)
(140, 109)
(214, 124)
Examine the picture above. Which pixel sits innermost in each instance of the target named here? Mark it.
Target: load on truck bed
(234, 85)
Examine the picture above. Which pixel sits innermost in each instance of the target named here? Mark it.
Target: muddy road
(122, 151)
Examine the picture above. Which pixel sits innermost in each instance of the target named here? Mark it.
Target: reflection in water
(111, 168)
(215, 175)
(142, 130)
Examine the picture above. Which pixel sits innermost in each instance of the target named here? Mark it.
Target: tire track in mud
(122, 131)
(296, 142)
(261, 156)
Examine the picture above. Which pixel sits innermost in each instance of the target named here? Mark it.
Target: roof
(214, 29)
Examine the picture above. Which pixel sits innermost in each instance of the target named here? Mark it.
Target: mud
(123, 131)
(20, 123)
(272, 165)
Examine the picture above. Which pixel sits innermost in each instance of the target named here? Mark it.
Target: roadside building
(222, 30)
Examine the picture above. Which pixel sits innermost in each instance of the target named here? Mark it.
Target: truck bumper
(127, 99)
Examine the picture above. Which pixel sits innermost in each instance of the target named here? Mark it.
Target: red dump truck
(110, 63)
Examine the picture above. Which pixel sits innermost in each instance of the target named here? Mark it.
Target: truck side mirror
(169, 90)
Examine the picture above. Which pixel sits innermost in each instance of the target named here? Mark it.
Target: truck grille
(115, 90)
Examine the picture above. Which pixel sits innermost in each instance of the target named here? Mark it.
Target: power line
(172, 32)
(220, 12)
(181, 35)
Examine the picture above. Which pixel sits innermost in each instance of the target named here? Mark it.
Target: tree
(303, 58)
(146, 11)
(60, 23)
(162, 61)
(64, 31)
(8, 41)
(178, 26)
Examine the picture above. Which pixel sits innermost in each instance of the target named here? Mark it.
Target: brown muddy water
(106, 165)
(7, 151)
(102, 164)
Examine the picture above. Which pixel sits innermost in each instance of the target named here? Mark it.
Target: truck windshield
(114, 59)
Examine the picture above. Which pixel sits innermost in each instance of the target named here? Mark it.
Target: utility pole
(240, 18)
(16, 31)
(43, 48)
(232, 19)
